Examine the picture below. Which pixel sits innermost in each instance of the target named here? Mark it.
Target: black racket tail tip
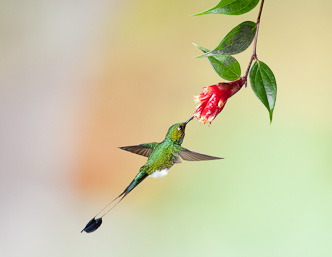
(92, 225)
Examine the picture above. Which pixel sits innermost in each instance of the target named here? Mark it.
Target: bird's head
(176, 132)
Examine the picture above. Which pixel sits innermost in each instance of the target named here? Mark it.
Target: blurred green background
(79, 79)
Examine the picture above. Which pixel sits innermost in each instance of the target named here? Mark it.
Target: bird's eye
(179, 128)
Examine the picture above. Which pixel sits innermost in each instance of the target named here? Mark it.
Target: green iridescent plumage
(161, 157)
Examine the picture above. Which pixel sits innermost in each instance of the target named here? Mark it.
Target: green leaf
(264, 85)
(236, 41)
(231, 7)
(226, 66)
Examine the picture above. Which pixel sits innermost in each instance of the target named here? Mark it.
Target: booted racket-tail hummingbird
(161, 157)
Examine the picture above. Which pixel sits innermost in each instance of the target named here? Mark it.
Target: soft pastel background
(80, 78)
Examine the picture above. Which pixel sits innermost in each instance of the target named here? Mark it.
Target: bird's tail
(94, 223)
(138, 179)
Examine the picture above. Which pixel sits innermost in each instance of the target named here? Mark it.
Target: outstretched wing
(188, 155)
(142, 149)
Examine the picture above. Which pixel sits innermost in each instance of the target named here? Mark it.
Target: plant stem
(254, 54)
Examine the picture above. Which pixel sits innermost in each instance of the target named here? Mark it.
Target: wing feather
(188, 155)
(143, 149)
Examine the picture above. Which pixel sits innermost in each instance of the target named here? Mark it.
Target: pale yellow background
(80, 78)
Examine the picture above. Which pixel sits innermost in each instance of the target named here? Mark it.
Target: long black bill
(189, 120)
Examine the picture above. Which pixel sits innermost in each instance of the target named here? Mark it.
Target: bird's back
(162, 157)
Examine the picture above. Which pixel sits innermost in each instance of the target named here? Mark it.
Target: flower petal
(217, 111)
(199, 110)
(210, 106)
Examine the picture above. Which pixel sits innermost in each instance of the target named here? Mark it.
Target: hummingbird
(161, 157)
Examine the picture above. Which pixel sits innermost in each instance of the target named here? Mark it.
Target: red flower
(213, 99)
